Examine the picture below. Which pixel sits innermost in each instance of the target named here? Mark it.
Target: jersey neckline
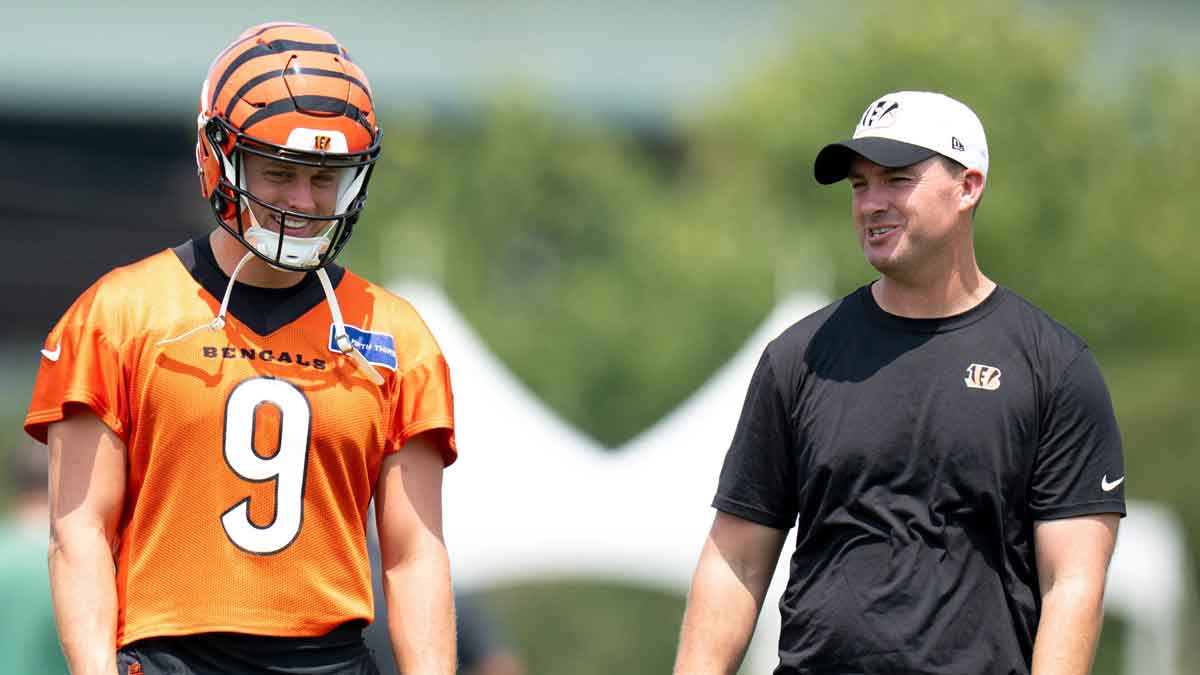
(932, 325)
(262, 310)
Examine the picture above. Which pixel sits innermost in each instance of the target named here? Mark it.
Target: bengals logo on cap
(881, 113)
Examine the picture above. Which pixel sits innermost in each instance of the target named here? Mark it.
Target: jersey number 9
(287, 467)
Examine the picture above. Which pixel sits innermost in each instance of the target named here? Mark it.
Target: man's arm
(416, 568)
(727, 593)
(1072, 561)
(87, 491)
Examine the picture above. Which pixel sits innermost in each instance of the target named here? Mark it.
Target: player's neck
(948, 294)
(256, 272)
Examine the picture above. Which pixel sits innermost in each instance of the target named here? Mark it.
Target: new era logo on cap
(904, 128)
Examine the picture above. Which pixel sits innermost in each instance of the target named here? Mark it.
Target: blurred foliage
(585, 627)
(530, 220)
(615, 273)
(622, 630)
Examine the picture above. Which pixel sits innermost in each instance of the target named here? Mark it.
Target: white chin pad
(297, 251)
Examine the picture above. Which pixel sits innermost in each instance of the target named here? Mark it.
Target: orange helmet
(291, 93)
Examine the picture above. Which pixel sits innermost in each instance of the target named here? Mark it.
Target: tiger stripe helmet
(289, 92)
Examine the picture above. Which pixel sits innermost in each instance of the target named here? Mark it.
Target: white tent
(531, 498)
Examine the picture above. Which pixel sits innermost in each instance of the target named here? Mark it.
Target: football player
(220, 414)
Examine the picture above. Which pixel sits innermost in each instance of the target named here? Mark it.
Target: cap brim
(834, 160)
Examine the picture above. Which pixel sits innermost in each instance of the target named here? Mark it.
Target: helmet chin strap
(218, 322)
(344, 345)
(339, 333)
(298, 251)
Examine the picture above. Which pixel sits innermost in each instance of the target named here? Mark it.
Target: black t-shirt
(914, 456)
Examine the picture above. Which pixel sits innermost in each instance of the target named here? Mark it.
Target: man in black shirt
(947, 451)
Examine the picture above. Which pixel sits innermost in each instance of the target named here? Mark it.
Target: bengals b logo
(980, 376)
(321, 143)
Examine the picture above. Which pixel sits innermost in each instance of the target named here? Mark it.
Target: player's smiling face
(905, 218)
(301, 189)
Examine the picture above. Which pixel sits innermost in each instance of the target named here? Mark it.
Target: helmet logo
(320, 140)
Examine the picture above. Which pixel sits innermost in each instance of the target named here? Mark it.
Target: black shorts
(339, 652)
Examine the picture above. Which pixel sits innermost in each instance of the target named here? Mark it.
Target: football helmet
(291, 93)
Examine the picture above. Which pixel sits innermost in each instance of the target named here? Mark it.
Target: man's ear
(973, 182)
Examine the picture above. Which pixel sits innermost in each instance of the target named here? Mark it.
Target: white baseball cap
(906, 127)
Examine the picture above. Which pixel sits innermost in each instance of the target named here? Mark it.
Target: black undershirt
(262, 310)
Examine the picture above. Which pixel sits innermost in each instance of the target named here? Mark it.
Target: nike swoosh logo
(53, 355)
(1109, 487)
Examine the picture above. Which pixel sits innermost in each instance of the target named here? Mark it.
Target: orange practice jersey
(251, 459)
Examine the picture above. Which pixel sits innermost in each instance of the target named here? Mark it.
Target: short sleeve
(426, 403)
(1080, 468)
(80, 365)
(758, 478)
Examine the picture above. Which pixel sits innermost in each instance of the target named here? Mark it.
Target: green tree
(561, 242)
